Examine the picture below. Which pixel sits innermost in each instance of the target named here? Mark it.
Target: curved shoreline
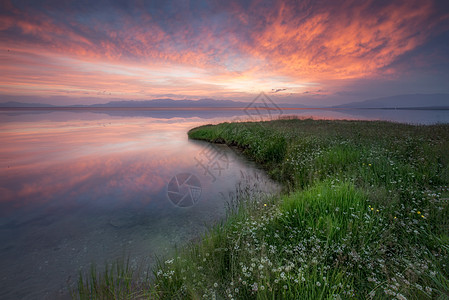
(367, 199)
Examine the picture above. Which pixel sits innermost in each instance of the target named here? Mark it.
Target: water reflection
(415, 116)
(46, 162)
(77, 190)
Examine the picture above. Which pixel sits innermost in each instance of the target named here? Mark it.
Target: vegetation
(364, 214)
(118, 281)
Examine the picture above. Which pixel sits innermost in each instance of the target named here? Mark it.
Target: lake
(82, 187)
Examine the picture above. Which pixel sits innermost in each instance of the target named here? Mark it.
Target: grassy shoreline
(364, 215)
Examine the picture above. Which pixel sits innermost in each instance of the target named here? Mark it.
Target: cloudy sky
(312, 52)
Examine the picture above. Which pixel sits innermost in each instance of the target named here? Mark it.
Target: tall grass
(364, 216)
(118, 281)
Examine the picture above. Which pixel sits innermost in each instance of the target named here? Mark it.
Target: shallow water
(83, 187)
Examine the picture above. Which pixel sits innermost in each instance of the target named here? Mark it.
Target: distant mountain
(402, 101)
(210, 103)
(156, 103)
(21, 104)
(172, 103)
(424, 101)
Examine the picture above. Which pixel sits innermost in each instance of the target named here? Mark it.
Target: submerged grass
(365, 215)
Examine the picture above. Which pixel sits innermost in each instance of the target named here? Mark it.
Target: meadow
(364, 214)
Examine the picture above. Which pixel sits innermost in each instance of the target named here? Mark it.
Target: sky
(322, 52)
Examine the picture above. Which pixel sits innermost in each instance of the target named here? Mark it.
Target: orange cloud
(348, 41)
(227, 50)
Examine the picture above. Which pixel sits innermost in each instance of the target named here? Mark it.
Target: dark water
(83, 187)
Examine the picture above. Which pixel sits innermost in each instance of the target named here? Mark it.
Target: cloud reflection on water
(82, 159)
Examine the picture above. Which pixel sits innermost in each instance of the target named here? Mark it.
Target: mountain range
(157, 103)
(402, 101)
(436, 101)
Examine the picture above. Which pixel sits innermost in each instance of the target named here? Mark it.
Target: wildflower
(395, 217)
(369, 165)
(318, 283)
(264, 204)
(400, 296)
(254, 287)
(418, 212)
(215, 285)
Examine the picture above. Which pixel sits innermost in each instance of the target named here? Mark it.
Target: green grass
(118, 281)
(364, 214)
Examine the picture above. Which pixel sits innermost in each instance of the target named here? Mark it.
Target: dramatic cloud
(209, 48)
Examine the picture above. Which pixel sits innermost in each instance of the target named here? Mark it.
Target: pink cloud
(226, 51)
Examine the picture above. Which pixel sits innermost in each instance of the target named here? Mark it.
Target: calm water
(83, 187)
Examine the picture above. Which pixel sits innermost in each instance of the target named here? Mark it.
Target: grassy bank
(365, 215)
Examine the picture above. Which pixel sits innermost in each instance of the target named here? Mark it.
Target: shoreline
(365, 199)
